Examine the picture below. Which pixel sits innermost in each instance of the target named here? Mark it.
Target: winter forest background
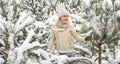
(25, 29)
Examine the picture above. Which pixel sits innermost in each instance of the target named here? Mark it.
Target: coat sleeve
(51, 41)
(76, 36)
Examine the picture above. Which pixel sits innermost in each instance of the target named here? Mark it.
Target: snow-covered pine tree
(25, 25)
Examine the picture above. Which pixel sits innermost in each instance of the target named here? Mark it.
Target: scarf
(61, 26)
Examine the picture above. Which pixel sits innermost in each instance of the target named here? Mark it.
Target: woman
(62, 33)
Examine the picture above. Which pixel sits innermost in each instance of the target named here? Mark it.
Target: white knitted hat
(62, 11)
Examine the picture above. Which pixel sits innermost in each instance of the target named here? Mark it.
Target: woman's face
(64, 18)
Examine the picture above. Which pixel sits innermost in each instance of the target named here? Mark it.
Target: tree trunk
(99, 58)
(114, 51)
(7, 47)
(93, 49)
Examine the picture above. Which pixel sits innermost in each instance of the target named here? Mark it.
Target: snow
(18, 1)
(10, 39)
(86, 3)
(44, 54)
(89, 33)
(2, 21)
(11, 56)
(22, 17)
(118, 13)
(95, 27)
(51, 20)
(111, 31)
(24, 20)
(10, 9)
(107, 5)
(51, 2)
(117, 60)
(60, 59)
(1, 60)
(56, 59)
(39, 24)
(117, 4)
(80, 58)
(78, 27)
(119, 42)
(1, 41)
(104, 62)
(1, 26)
(79, 18)
(25, 46)
(83, 49)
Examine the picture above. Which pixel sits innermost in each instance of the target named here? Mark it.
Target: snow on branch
(1, 24)
(2, 60)
(41, 52)
(118, 13)
(22, 17)
(22, 49)
(25, 19)
(25, 46)
(117, 59)
(51, 20)
(51, 2)
(86, 3)
(107, 5)
(83, 49)
(79, 18)
(62, 59)
(117, 4)
(73, 59)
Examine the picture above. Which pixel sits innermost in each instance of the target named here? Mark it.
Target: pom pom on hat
(62, 11)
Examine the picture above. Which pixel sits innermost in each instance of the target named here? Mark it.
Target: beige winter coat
(62, 35)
